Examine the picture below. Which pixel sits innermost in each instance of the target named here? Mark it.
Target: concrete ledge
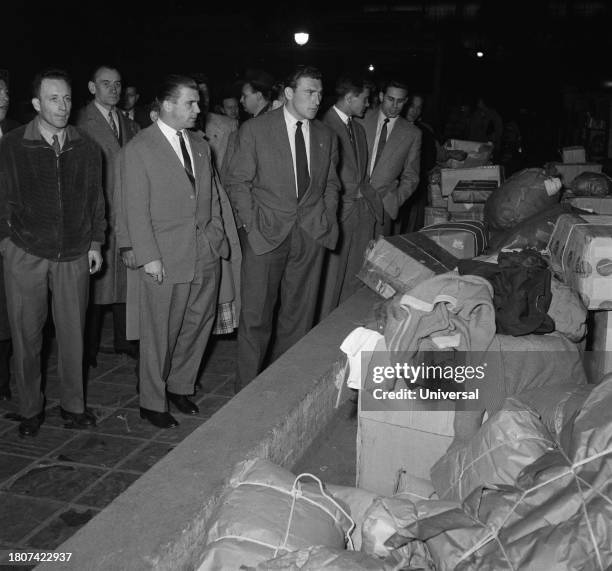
(160, 521)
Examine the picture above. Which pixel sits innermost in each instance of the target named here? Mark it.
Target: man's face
(392, 101)
(230, 107)
(414, 111)
(106, 88)
(4, 99)
(303, 101)
(250, 99)
(53, 104)
(131, 98)
(358, 103)
(182, 113)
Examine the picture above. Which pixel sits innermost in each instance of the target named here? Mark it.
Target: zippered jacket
(51, 206)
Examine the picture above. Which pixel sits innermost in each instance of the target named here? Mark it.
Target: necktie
(381, 142)
(56, 145)
(113, 125)
(301, 161)
(186, 159)
(349, 126)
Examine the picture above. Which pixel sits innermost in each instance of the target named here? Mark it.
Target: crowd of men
(185, 223)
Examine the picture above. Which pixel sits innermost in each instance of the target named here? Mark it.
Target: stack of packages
(461, 183)
(573, 165)
(531, 490)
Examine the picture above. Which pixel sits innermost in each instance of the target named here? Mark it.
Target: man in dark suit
(173, 219)
(102, 120)
(394, 150)
(358, 203)
(6, 125)
(283, 184)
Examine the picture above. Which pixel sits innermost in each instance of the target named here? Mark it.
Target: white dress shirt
(173, 139)
(390, 124)
(343, 116)
(291, 123)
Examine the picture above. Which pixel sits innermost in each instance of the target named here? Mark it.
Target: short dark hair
(97, 70)
(49, 73)
(261, 81)
(346, 84)
(394, 83)
(171, 85)
(302, 71)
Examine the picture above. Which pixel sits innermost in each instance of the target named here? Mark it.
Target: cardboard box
(478, 154)
(581, 253)
(434, 196)
(592, 204)
(435, 215)
(450, 177)
(465, 240)
(464, 206)
(398, 263)
(466, 146)
(573, 155)
(474, 191)
(396, 450)
(477, 213)
(569, 172)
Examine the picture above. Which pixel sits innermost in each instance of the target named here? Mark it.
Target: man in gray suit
(111, 129)
(173, 218)
(359, 204)
(283, 184)
(394, 150)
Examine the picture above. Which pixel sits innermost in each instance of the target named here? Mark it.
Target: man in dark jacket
(51, 228)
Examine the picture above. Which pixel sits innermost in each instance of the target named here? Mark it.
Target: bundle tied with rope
(267, 512)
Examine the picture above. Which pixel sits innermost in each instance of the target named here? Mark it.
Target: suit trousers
(93, 328)
(175, 324)
(28, 280)
(343, 265)
(288, 275)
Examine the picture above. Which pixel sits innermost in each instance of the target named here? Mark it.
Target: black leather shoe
(159, 419)
(31, 426)
(5, 393)
(182, 403)
(78, 419)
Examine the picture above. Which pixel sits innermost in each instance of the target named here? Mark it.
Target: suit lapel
(370, 128)
(398, 134)
(101, 125)
(316, 151)
(342, 130)
(280, 136)
(168, 155)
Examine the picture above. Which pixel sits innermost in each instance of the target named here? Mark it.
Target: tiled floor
(54, 483)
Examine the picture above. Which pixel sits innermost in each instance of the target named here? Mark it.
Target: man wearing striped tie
(111, 130)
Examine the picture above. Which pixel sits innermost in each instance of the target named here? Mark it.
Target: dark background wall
(535, 52)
